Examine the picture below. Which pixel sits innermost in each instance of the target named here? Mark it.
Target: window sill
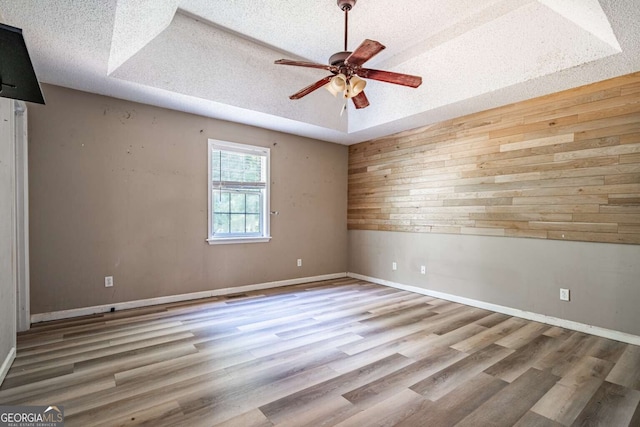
(233, 240)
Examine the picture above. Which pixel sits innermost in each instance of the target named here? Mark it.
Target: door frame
(23, 309)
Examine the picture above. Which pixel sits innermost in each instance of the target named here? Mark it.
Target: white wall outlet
(299, 262)
(564, 294)
(394, 265)
(108, 281)
(423, 269)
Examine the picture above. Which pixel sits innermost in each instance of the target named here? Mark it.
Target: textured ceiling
(215, 58)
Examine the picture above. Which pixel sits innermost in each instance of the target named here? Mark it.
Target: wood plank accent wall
(564, 166)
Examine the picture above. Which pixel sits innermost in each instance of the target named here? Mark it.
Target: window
(238, 193)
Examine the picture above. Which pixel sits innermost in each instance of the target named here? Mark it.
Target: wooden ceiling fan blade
(305, 64)
(367, 50)
(360, 101)
(390, 77)
(307, 90)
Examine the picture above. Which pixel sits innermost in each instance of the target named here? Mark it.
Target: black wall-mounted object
(17, 77)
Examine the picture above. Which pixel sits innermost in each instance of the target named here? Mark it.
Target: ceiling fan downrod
(346, 6)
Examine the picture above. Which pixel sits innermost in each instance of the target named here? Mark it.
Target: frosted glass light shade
(357, 85)
(338, 83)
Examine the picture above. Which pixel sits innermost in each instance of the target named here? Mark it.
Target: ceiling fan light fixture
(357, 85)
(331, 90)
(348, 88)
(337, 84)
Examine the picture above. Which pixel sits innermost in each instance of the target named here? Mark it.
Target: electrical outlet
(108, 281)
(423, 269)
(394, 265)
(299, 262)
(564, 294)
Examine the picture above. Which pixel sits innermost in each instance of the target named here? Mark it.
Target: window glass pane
(237, 167)
(253, 223)
(221, 223)
(220, 201)
(237, 223)
(253, 168)
(233, 169)
(236, 212)
(237, 202)
(253, 203)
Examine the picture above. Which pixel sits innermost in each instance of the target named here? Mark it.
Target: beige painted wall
(527, 274)
(119, 188)
(7, 234)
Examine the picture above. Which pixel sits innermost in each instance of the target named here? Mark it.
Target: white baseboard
(86, 311)
(542, 318)
(4, 369)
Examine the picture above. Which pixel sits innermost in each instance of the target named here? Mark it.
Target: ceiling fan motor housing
(346, 4)
(338, 59)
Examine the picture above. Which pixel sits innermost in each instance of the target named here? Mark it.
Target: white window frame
(215, 144)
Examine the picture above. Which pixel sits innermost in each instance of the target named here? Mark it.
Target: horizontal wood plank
(562, 166)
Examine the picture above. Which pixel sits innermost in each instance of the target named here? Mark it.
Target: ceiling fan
(348, 73)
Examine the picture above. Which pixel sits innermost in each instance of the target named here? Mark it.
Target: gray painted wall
(7, 232)
(604, 278)
(120, 189)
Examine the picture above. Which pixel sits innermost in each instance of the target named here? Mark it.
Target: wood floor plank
(381, 388)
(635, 419)
(447, 379)
(523, 336)
(17, 377)
(339, 385)
(327, 411)
(557, 332)
(627, 371)
(492, 320)
(388, 412)
(52, 385)
(531, 419)
(401, 345)
(586, 368)
(491, 335)
(517, 363)
(611, 405)
(336, 352)
(253, 418)
(511, 403)
(569, 352)
(165, 414)
(201, 361)
(564, 402)
(427, 344)
(62, 391)
(222, 405)
(457, 404)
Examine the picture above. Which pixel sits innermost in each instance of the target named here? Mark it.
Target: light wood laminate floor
(342, 352)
